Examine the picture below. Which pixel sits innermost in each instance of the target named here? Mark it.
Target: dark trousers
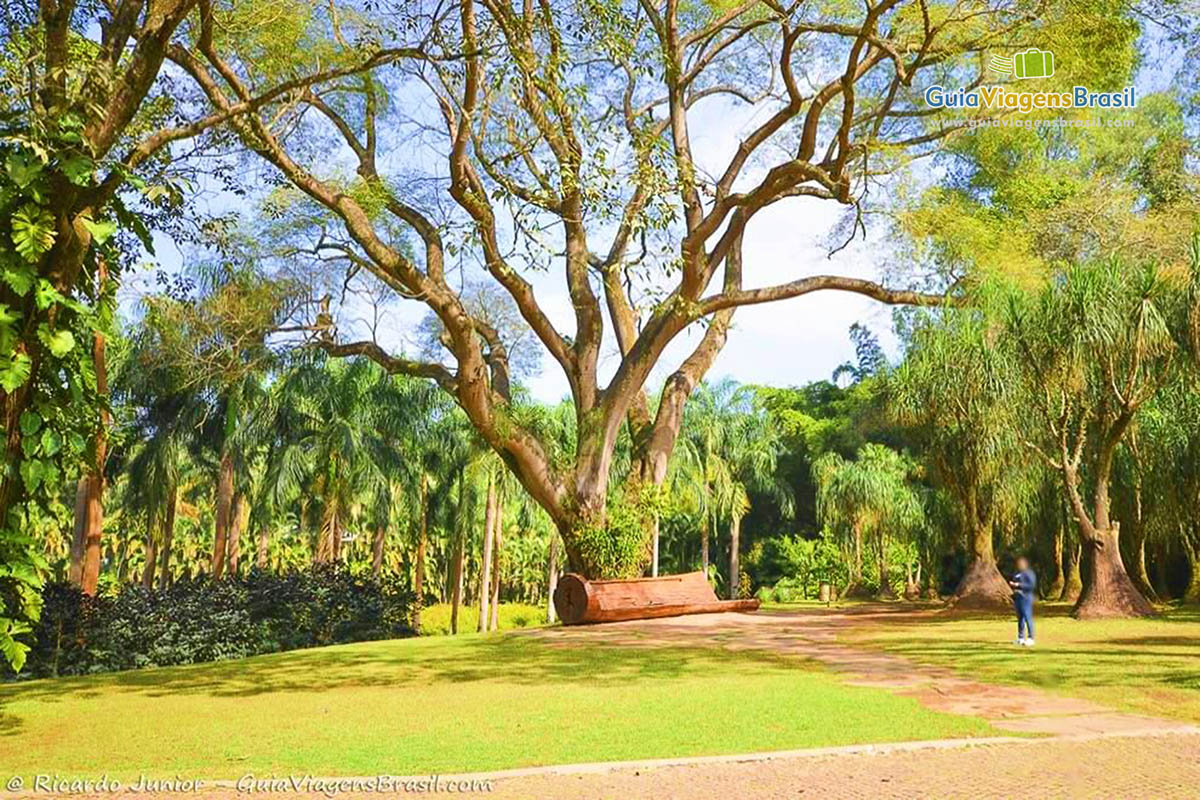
(1024, 606)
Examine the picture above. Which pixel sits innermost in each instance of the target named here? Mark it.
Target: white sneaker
(1021, 642)
(1027, 642)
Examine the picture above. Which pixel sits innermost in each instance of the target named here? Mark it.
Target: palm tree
(729, 449)
(341, 431)
(867, 498)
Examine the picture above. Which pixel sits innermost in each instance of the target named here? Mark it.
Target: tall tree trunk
(151, 551)
(1191, 594)
(456, 588)
(90, 576)
(855, 587)
(498, 535)
(224, 513)
(1109, 592)
(552, 577)
(1137, 544)
(1059, 581)
(735, 530)
(261, 551)
(885, 583)
(1073, 585)
(704, 546)
(982, 586)
(485, 561)
(419, 562)
(78, 539)
(377, 550)
(164, 569)
(241, 510)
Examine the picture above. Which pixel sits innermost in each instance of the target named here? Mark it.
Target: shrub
(200, 620)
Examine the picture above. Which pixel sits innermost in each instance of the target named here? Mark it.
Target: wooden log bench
(579, 600)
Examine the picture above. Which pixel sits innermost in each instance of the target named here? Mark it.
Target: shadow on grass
(400, 663)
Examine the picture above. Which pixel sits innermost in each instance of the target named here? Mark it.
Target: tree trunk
(856, 588)
(241, 511)
(1109, 592)
(1140, 577)
(419, 562)
(485, 561)
(1191, 594)
(261, 553)
(735, 530)
(224, 513)
(164, 569)
(1059, 582)
(456, 588)
(885, 584)
(335, 537)
(982, 586)
(1073, 585)
(377, 550)
(78, 539)
(498, 535)
(552, 577)
(704, 546)
(90, 577)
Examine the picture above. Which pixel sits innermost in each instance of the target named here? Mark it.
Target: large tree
(1095, 346)
(957, 389)
(563, 138)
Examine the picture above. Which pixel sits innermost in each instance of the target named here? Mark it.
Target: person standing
(1023, 584)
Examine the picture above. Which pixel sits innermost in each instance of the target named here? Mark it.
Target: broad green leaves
(32, 232)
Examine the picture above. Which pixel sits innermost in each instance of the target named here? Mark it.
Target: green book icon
(1033, 63)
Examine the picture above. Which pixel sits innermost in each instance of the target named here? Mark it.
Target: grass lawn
(1149, 666)
(442, 704)
(435, 619)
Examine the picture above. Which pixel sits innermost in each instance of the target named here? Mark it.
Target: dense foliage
(194, 621)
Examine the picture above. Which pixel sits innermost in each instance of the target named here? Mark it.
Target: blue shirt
(1026, 581)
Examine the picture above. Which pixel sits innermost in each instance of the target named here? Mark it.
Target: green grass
(442, 704)
(435, 619)
(1150, 666)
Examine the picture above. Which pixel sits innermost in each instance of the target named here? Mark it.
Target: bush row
(200, 620)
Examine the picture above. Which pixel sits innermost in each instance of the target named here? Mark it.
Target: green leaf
(32, 473)
(79, 170)
(14, 371)
(22, 169)
(32, 232)
(29, 422)
(101, 231)
(47, 295)
(51, 442)
(13, 650)
(58, 343)
(20, 279)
